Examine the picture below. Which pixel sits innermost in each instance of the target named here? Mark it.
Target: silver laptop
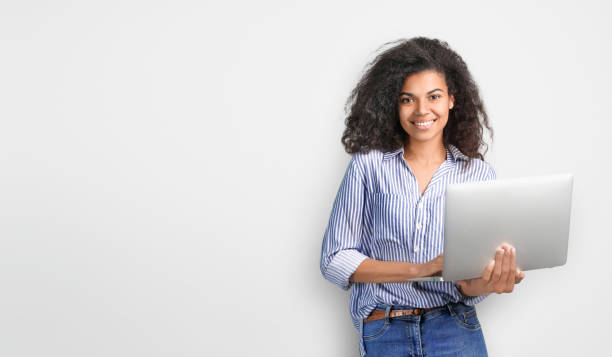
(530, 213)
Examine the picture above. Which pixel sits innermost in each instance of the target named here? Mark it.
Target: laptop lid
(530, 213)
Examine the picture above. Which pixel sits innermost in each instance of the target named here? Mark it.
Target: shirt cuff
(343, 265)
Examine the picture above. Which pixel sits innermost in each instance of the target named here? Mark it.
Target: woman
(415, 125)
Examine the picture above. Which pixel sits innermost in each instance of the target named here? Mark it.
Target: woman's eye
(435, 96)
(406, 100)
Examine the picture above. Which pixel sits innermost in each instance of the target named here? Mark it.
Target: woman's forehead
(423, 83)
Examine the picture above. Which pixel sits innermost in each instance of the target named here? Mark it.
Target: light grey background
(168, 169)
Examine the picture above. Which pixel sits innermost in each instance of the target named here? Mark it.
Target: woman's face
(423, 105)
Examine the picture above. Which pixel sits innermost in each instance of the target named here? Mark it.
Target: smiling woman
(421, 111)
(415, 125)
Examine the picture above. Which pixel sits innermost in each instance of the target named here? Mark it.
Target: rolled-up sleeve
(341, 251)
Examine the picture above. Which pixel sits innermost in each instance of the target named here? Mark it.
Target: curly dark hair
(373, 119)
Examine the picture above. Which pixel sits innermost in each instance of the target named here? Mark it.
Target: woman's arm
(342, 249)
(379, 271)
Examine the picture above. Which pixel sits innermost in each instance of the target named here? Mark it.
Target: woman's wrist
(469, 293)
(414, 270)
(422, 270)
(461, 290)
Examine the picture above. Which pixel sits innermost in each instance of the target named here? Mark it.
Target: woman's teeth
(423, 125)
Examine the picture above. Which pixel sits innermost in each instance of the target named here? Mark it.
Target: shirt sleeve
(491, 175)
(473, 300)
(341, 251)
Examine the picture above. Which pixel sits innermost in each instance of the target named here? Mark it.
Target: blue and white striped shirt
(379, 213)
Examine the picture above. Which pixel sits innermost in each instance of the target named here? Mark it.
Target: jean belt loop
(387, 310)
(450, 309)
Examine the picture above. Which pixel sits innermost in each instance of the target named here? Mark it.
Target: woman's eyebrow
(412, 95)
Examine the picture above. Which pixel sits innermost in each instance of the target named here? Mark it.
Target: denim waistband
(404, 307)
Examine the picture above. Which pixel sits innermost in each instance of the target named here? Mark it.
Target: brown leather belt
(380, 314)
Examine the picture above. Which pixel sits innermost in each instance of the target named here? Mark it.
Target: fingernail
(513, 250)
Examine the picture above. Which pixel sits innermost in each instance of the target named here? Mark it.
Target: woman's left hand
(499, 276)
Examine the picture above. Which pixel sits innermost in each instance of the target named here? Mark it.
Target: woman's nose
(422, 108)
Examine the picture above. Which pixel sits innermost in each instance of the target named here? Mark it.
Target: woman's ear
(451, 102)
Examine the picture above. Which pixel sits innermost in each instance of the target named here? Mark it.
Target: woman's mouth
(423, 125)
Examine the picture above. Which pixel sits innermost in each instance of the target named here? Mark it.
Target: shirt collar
(452, 152)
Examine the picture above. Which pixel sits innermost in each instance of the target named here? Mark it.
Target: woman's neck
(425, 152)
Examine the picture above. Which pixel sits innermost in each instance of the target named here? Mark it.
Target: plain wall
(168, 169)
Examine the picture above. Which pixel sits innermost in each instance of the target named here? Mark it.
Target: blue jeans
(453, 330)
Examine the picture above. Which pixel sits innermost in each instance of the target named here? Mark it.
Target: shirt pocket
(393, 215)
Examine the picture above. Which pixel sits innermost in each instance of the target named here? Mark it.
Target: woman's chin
(424, 136)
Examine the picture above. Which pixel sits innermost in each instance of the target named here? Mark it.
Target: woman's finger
(501, 287)
(512, 272)
(505, 264)
(498, 266)
(488, 271)
(519, 276)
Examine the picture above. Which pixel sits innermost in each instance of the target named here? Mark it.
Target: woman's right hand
(434, 267)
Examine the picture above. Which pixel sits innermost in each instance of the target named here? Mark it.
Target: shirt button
(420, 204)
(418, 226)
(416, 249)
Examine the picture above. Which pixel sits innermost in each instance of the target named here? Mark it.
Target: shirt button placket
(417, 240)
(418, 226)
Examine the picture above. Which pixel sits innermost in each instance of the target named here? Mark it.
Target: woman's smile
(423, 124)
